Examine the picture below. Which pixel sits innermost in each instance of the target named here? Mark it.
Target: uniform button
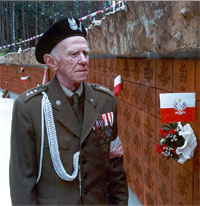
(83, 160)
(85, 175)
(85, 191)
(58, 102)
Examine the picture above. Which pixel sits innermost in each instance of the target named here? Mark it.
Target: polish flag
(117, 85)
(24, 78)
(177, 107)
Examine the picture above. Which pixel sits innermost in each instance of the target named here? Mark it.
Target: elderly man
(65, 148)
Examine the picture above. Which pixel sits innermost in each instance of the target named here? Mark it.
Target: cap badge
(72, 24)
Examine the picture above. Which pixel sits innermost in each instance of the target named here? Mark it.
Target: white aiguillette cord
(47, 114)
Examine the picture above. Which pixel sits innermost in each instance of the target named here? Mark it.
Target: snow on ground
(6, 106)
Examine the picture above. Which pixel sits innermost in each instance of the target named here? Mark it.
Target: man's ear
(50, 61)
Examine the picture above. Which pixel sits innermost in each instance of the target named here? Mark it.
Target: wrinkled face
(72, 60)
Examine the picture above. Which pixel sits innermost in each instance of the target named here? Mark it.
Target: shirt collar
(69, 93)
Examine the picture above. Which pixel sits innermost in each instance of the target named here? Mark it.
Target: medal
(103, 127)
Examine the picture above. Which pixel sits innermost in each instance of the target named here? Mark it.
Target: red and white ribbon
(100, 11)
(107, 119)
(81, 19)
(117, 85)
(24, 41)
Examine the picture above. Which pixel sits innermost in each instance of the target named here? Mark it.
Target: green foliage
(3, 52)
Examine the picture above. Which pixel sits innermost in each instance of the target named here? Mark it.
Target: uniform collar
(69, 93)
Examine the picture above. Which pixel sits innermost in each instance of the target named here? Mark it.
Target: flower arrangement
(5, 93)
(178, 142)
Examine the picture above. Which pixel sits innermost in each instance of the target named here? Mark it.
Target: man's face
(72, 60)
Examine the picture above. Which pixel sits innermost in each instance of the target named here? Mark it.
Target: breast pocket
(64, 147)
(102, 139)
(64, 143)
(103, 135)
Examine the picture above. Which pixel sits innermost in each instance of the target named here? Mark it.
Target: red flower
(158, 148)
(164, 147)
(172, 131)
(163, 133)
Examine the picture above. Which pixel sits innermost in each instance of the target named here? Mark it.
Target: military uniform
(103, 181)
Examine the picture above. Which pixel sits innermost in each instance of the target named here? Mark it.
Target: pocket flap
(63, 143)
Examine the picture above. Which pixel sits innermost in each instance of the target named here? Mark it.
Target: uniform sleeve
(22, 170)
(117, 183)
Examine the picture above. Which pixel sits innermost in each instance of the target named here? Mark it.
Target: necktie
(76, 108)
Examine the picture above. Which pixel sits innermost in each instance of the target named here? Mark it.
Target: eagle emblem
(72, 24)
(180, 106)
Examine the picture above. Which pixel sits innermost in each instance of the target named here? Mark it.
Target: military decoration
(103, 127)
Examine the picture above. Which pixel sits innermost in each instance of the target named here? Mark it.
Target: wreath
(177, 142)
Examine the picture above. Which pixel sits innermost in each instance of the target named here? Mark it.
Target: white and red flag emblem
(117, 85)
(177, 107)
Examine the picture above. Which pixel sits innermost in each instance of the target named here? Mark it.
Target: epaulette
(26, 96)
(103, 89)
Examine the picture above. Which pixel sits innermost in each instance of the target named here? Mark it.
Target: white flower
(187, 150)
(166, 153)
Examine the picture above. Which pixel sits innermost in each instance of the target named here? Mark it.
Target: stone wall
(153, 29)
(26, 56)
(150, 28)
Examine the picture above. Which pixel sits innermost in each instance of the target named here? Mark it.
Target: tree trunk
(36, 19)
(2, 24)
(94, 6)
(27, 24)
(67, 8)
(7, 23)
(100, 5)
(18, 21)
(13, 20)
(23, 23)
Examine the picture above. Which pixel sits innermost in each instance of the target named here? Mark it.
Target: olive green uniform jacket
(103, 179)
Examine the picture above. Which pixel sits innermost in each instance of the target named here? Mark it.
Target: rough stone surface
(26, 56)
(159, 28)
(142, 29)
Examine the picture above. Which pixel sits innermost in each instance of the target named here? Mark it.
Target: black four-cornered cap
(60, 30)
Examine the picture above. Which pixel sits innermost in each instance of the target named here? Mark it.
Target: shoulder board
(103, 89)
(26, 96)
